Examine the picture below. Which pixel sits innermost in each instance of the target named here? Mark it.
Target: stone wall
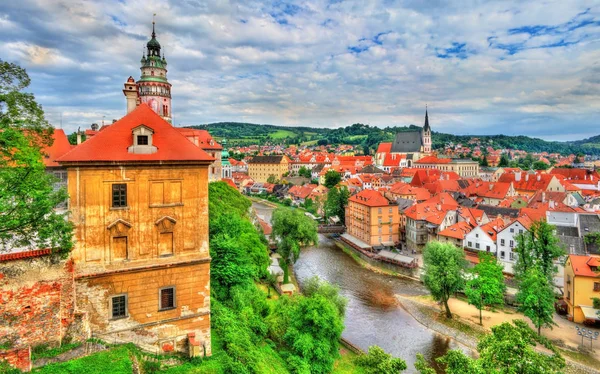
(19, 358)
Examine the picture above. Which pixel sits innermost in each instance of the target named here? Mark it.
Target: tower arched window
(152, 73)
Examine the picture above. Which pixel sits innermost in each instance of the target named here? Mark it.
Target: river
(373, 317)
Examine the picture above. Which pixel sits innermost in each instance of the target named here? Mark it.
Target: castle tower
(153, 87)
(426, 134)
(131, 94)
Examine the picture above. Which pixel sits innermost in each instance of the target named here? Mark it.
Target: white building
(483, 237)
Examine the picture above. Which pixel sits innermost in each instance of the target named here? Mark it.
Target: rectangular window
(502, 242)
(477, 245)
(379, 210)
(512, 244)
(118, 306)
(511, 256)
(142, 139)
(470, 244)
(512, 230)
(119, 195)
(596, 286)
(487, 248)
(520, 231)
(167, 298)
(502, 254)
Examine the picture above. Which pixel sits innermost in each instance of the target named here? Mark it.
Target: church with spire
(152, 88)
(407, 148)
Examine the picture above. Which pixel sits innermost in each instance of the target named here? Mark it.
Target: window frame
(160, 306)
(113, 190)
(111, 306)
(146, 141)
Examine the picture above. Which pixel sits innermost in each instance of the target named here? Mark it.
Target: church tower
(153, 87)
(426, 135)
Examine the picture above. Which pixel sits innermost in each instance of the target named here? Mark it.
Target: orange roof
(433, 160)
(201, 138)
(111, 144)
(457, 231)
(384, 148)
(493, 227)
(229, 182)
(583, 265)
(59, 147)
(370, 198)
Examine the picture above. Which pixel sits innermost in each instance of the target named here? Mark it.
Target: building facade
(139, 201)
(372, 219)
(260, 168)
(582, 284)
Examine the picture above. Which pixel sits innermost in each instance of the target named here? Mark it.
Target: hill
(237, 133)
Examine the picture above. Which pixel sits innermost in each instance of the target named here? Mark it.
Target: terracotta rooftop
(370, 198)
(111, 144)
(585, 265)
(59, 147)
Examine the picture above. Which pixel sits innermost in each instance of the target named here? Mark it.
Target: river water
(373, 317)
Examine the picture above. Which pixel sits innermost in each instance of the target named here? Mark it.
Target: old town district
(138, 199)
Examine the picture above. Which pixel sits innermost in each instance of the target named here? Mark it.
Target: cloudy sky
(482, 67)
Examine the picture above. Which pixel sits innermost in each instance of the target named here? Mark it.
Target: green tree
(313, 334)
(337, 200)
(536, 299)
(443, 268)
(509, 349)
(304, 172)
(272, 179)
(483, 161)
(27, 197)
(486, 286)
(376, 361)
(316, 286)
(292, 230)
(540, 165)
(332, 178)
(537, 248)
(503, 160)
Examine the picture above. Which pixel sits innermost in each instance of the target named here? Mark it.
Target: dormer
(142, 140)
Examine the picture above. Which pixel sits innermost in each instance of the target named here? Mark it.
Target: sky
(482, 67)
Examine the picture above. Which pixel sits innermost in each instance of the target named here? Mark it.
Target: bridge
(331, 229)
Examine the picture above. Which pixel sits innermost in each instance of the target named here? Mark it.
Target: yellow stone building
(372, 219)
(582, 285)
(139, 201)
(260, 168)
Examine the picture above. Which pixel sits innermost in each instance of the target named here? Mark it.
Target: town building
(582, 285)
(464, 167)
(372, 219)
(506, 241)
(408, 145)
(260, 168)
(139, 201)
(203, 139)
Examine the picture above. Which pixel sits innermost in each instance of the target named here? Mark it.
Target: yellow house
(260, 168)
(372, 219)
(582, 285)
(139, 201)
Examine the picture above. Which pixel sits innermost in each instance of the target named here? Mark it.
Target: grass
(454, 323)
(281, 134)
(114, 361)
(45, 351)
(345, 364)
(582, 358)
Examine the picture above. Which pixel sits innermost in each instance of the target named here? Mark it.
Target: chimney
(490, 186)
(131, 94)
(551, 204)
(518, 176)
(94, 127)
(78, 136)
(526, 177)
(543, 197)
(539, 177)
(114, 120)
(439, 206)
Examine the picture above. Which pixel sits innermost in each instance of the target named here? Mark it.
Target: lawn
(345, 364)
(281, 134)
(115, 361)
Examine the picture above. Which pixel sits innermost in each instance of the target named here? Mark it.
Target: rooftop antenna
(103, 120)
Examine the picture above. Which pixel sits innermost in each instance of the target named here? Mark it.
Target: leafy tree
(313, 334)
(537, 248)
(272, 179)
(486, 287)
(304, 172)
(536, 299)
(503, 160)
(316, 286)
(337, 200)
(292, 230)
(443, 268)
(27, 197)
(483, 161)
(223, 198)
(540, 165)
(509, 349)
(73, 138)
(376, 361)
(332, 178)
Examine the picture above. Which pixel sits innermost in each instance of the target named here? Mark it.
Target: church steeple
(426, 126)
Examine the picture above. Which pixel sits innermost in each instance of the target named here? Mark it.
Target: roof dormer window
(142, 140)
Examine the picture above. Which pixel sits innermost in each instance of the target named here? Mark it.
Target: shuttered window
(167, 298)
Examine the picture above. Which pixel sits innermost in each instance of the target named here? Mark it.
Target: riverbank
(370, 265)
(468, 332)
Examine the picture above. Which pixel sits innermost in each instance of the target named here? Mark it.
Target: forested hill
(237, 133)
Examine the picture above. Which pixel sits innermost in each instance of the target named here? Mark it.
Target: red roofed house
(139, 203)
(506, 241)
(425, 220)
(203, 139)
(60, 146)
(582, 284)
(455, 234)
(372, 219)
(483, 237)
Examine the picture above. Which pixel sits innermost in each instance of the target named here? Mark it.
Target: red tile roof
(22, 255)
(433, 160)
(370, 198)
(59, 147)
(582, 265)
(200, 138)
(384, 148)
(110, 145)
(457, 231)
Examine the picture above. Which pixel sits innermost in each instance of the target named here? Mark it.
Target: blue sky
(482, 67)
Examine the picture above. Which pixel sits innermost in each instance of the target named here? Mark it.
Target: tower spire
(426, 125)
(153, 22)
